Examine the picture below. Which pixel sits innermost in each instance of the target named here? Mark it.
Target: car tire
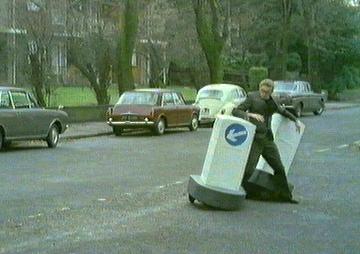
(194, 124)
(298, 110)
(320, 110)
(117, 130)
(1, 140)
(160, 126)
(6, 144)
(52, 138)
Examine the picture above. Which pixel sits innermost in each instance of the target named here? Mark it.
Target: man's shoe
(293, 201)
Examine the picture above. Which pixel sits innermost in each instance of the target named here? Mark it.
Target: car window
(281, 86)
(178, 99)
(134, 98)
(299, 88)
(168, 99)
(5, 100)
(233, 95)
(241, 93)
(20, 99)
(210, 94)
(33, 102)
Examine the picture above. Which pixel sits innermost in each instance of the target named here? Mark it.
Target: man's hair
(268, 83)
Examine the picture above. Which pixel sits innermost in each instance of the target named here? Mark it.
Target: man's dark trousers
(266, 147)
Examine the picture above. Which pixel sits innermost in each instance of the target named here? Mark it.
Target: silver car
(22, 119)
(298, 97)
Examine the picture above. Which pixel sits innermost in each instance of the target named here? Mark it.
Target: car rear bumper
(204, 120)
(130, 123)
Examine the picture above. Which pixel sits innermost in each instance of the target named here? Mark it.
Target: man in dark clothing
(258, 108)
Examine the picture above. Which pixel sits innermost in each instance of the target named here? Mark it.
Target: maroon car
(155, 109)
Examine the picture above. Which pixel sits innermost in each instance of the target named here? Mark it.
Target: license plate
(205, 111)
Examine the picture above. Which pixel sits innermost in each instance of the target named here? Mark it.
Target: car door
(184, 112)
(8, 116)
(301, 95)
(21, 105)
(30, 121)
(312, 98)
(41, 118)
(169, 108)
(305, 96)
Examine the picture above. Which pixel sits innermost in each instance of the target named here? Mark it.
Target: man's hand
(258, 117)
(298, 126)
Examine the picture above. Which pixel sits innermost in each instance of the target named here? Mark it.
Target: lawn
(84, 96)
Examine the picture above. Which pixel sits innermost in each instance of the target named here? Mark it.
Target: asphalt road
(128, 195)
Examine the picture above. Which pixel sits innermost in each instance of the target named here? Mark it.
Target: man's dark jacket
(255, 104)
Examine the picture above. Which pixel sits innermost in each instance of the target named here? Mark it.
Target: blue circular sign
(236, 134)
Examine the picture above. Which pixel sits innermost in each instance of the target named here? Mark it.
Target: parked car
(21, 118)
(155, 109)
(298, 97)
(218, 99)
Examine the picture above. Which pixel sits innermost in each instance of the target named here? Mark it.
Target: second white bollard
(287, 140)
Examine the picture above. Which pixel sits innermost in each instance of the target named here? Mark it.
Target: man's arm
(282, 111)
(240, 111)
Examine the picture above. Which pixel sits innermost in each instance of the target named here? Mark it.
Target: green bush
(256, 74)
(349, 78)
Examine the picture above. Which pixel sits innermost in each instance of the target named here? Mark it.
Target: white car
(218, 99)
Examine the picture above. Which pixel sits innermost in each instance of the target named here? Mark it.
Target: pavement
(93, 129)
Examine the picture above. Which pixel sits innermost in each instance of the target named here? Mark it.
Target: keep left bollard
(287, 139)
(220, 182)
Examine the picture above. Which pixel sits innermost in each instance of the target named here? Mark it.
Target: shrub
(256, 74)
(348, 78)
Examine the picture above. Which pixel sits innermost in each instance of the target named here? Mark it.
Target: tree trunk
(126, 46)
(215, 68)
(287, 11)
(36, 78)
(211, 39)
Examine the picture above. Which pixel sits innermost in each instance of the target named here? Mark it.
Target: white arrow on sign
(232, 136)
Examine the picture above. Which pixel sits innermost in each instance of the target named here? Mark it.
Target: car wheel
(6, 144)
(117, 131)
(298, 110)
(321, 109)
(194, 123)
(191, 199)
(52, 138)
(159, 127)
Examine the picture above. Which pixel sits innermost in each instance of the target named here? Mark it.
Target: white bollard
(220, 182)
(287, 140)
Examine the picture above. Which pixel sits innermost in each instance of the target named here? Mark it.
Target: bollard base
(260, 181)
(214, 196)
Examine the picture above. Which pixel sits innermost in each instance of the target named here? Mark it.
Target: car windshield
(284, 86)
(144, 98)
(210, 94)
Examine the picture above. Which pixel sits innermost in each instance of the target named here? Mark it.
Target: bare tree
(35, 23)
(90, 49)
